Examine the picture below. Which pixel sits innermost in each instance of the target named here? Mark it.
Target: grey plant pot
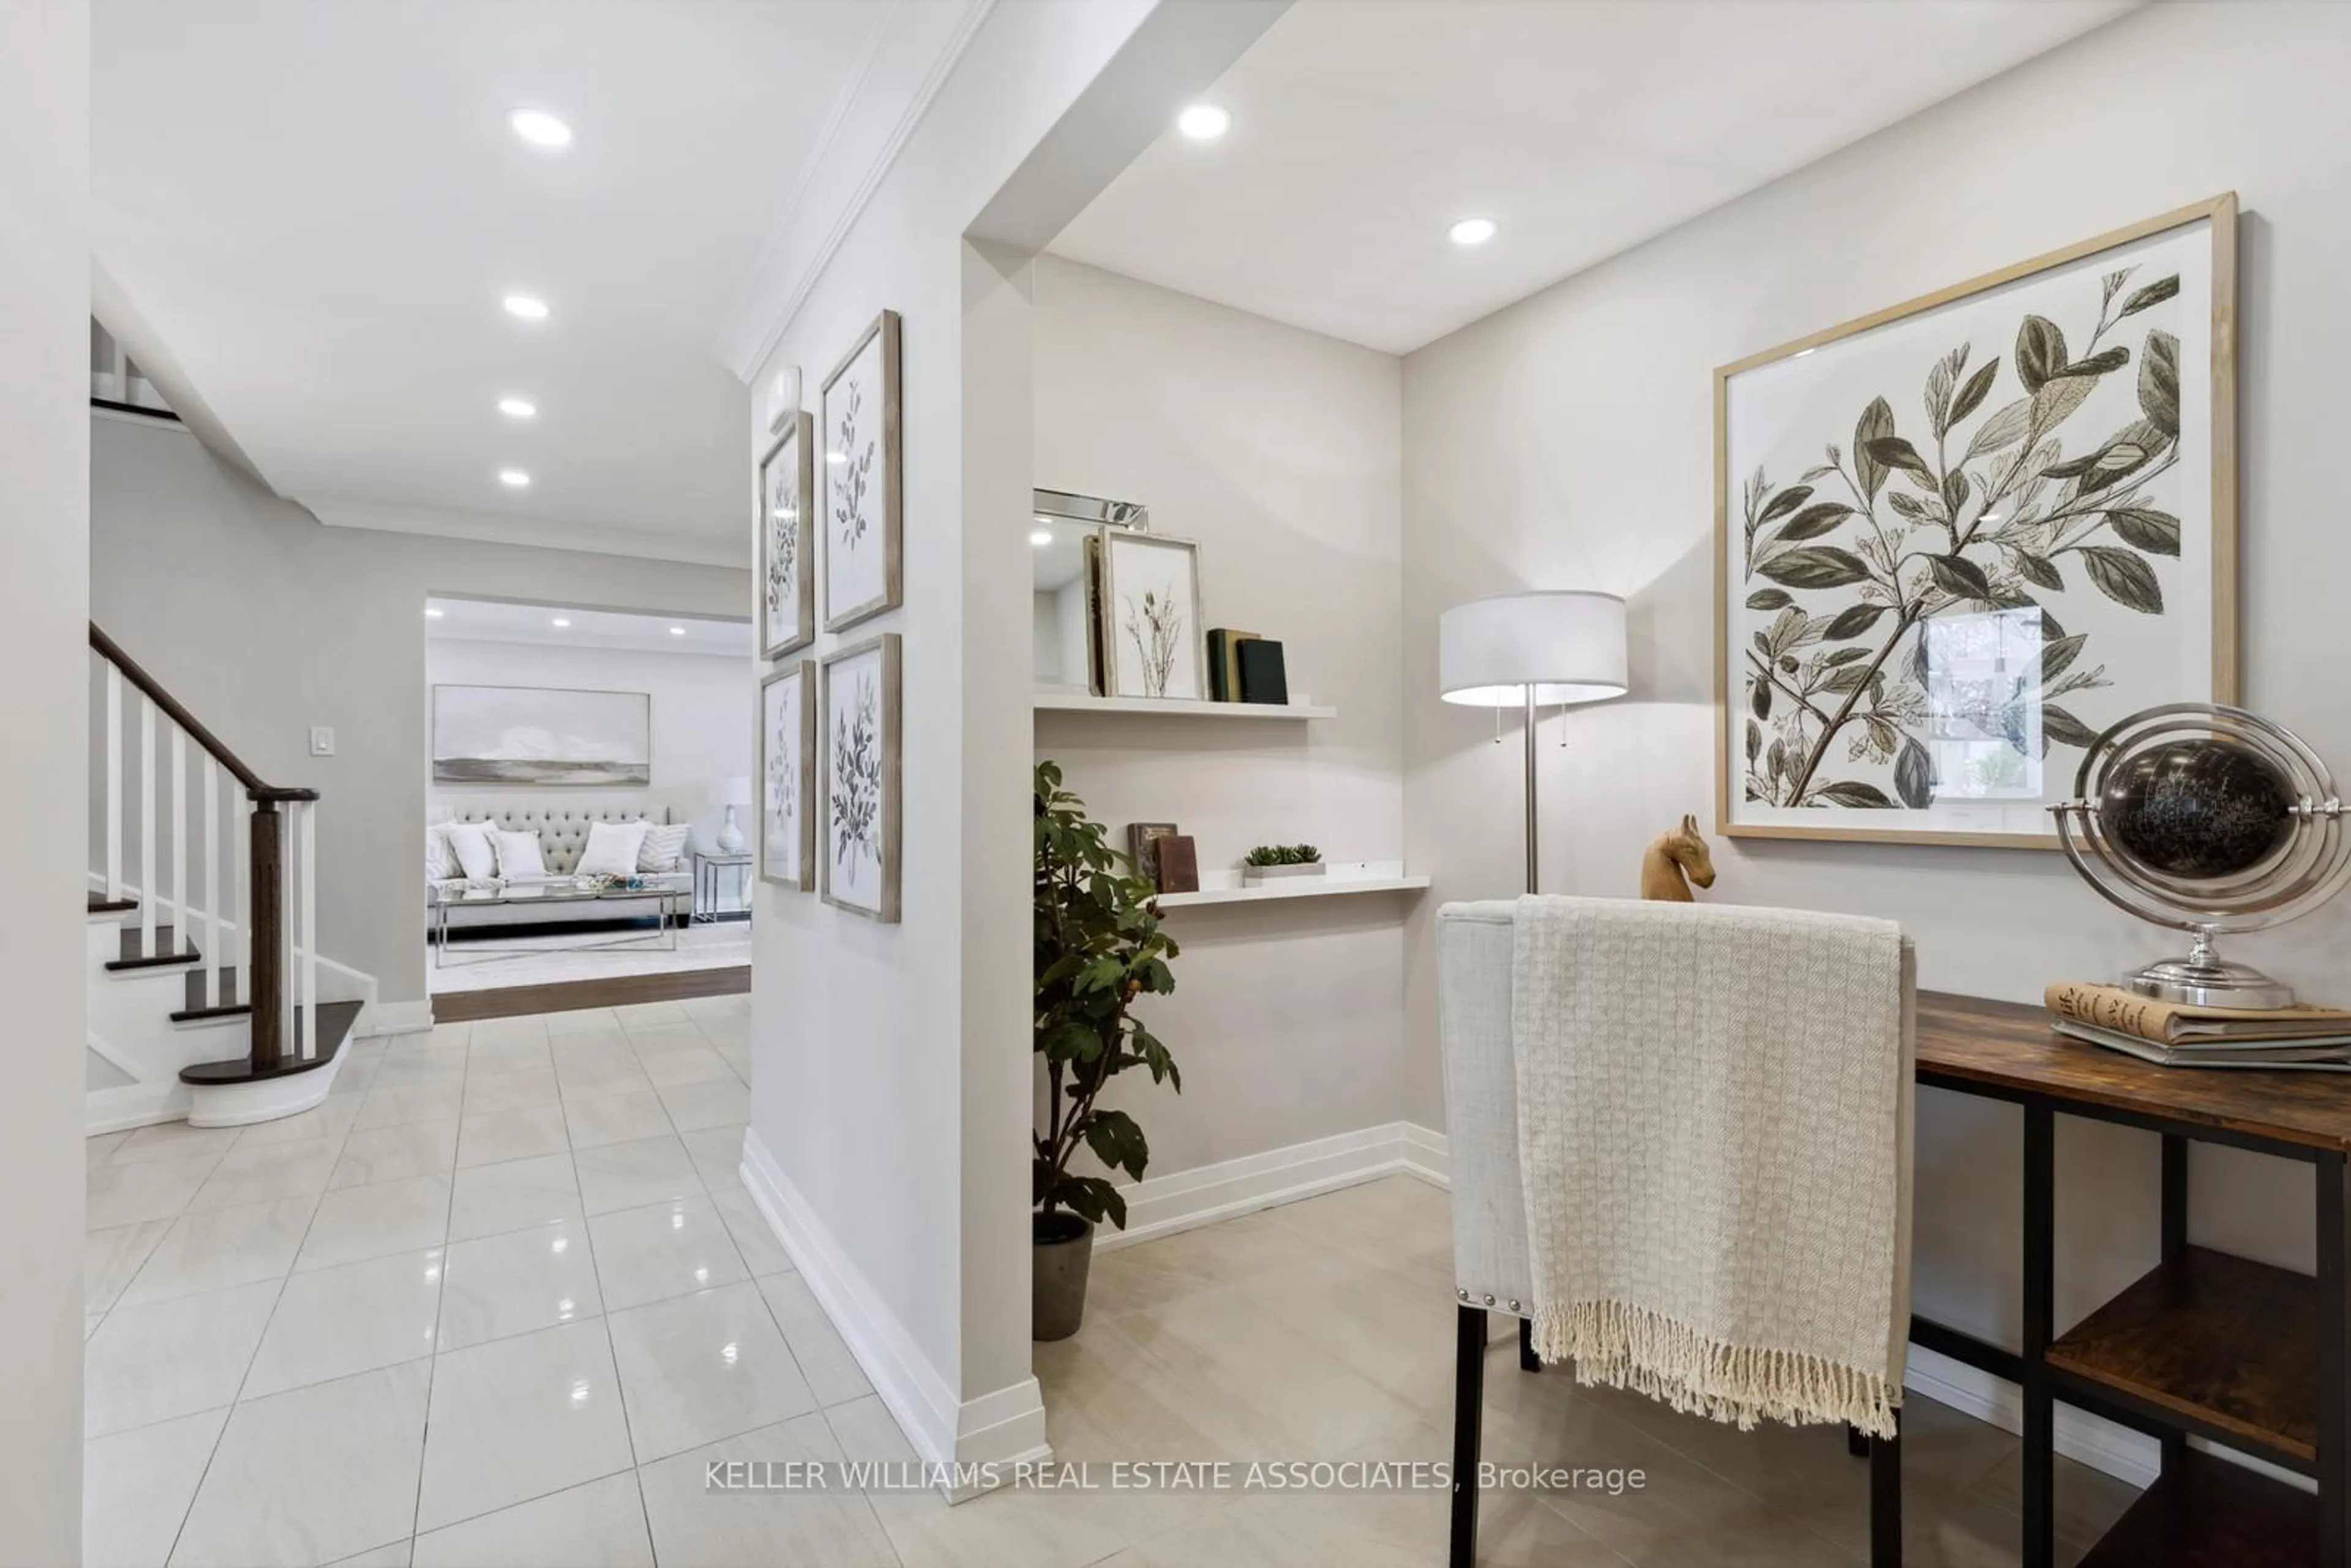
(1058, 1258)
(1254, 874)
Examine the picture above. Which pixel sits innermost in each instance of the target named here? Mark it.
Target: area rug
(719, 946)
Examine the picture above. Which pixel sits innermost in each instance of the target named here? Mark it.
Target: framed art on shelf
(858, 867)
(788, 540)
(1956, 538)
(1151, 617)
(863, 462)
(788, 776)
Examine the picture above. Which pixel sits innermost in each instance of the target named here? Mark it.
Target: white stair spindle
(212, 883)
(241, 888)
(113, 783)
(309, 907)
(183, 930)
(146, 824)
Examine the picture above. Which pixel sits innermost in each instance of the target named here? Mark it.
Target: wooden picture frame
(863, 794)
(863, 479)
(785, 541)
(789, 778)
(1879, 498)
(1183, 669)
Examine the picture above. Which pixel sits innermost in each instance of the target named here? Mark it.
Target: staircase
(204, 970)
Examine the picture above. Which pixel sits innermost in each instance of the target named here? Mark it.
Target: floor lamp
(1533, 651)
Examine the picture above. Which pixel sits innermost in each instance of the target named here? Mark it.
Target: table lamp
(1531, 651)
(731, 793)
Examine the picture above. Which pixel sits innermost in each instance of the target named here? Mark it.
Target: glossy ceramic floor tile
(113, 1257)
(491, 1137)
(762, 1253)
(694, 1065)
(530, 1088)
(632, 1174)
(832, 1373)
(218, 1247)
(313, 1475)
(331, 1119)
(582, 1021)
(170, 1358)
(693, 1527)
(395, 1153)
(702, 1367)
(663, 1249)
(355, 1317)
(377, 1220)
(509, 1030)
(715, 1103)
(622, 1116)
(599, 1525)
(514, 1196)
(147, 1189)
(657, 1038)
(174, 1140)
(519, 1418)
(487, 1058)
(389, 1107)
(137, 1485)
(498, 1286)
(268, 1172)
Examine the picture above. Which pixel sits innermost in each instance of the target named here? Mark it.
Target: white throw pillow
(519, 857)
(663, 846)
(612, 848)
(437, 853)
(470, 843)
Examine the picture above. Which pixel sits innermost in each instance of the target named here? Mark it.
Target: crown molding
(870, 125)
(536, 533)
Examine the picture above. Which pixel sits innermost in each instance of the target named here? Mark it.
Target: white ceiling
(1362, 130)
(316, 209)
(500, 621)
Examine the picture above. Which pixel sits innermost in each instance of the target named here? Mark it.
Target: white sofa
(562, 829)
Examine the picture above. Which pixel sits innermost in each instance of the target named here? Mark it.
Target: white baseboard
(2091, 1440)
(1002, 1427)
(1161, 1206)
(396, 1018)
(132, 1105)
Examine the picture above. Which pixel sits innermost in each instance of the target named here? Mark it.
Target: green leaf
(1770, 598)
(2124, 578)
(1896, 451)
(2062, 727)
(2038, 570)
(2004, 429)
(1958, 577)
(2155, 293)
(1914, 775)
(1117, 1142)
(1091, 1198)
(1876, 424)
(1852, 621)
(2158, 382)
(2157, 533)
(1786, 501)
(1851, 792)
(1978, 388)
(2057, 656)
(2098, 364)
(2040, 351)
(1814, 521)
(1815, 566)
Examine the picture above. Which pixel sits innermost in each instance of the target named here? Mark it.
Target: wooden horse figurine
(1674, 860)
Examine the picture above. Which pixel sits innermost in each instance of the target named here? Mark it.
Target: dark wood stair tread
(197, 1009)
(335, 1020)
(2209, 1513)
(102, 904)
(168, 950)
(2215, 1338)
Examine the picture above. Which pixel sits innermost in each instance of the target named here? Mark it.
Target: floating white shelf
(1365, 876)
(1078, 702)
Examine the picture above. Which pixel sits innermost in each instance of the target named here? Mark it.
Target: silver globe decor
(2212, 819)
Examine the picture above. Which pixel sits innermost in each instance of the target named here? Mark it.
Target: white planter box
(1257, 876)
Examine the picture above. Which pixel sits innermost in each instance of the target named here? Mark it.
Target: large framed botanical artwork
(863, 463)
(858, 715)
(788, 776)
(1956, 538)
(788, 540)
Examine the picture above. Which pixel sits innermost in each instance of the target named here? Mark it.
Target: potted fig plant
(1278, 862)
(1098, 949)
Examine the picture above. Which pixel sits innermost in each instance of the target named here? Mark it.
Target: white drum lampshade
(1568, 645)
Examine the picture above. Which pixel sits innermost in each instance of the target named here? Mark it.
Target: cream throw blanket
(1714, 1127)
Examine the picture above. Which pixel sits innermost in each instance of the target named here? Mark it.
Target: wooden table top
(2010, 1046)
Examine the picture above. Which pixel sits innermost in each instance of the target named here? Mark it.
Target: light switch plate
(322, 741)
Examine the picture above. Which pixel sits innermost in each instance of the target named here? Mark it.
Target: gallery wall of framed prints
(1956, 538)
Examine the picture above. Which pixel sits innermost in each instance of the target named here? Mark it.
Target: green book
(1224, 663)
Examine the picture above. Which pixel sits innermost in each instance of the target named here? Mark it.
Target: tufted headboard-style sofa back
(562, 828)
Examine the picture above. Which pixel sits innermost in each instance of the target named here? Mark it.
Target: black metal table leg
(1468, 1398)
(1857, 1441)
(2040, 1328)
(1528, 1360)
(1885, 1498)
(2175, 1243)
(2334, 1365)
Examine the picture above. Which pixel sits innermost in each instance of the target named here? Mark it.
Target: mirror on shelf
(1064, 528)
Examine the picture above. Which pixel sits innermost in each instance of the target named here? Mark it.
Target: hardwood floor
(512, 1002)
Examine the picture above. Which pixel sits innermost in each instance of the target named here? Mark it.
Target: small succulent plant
(1283, 854)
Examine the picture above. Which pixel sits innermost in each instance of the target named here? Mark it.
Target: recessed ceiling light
(677, 630)
(527, 307)
(1041, 537)
(560, 622)
(1472, 231)
(517, 408)
(514, 479)
(431, 613)
(539, 127)
(1205, 122)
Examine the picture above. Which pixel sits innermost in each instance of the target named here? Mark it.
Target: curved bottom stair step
(335, 1021)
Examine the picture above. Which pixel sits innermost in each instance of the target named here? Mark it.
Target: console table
(2206, 1343)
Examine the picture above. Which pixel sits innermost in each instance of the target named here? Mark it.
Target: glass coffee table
(663, 899)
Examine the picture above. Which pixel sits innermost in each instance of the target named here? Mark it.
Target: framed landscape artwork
(1958, 539)
(861, 479)
(1151, 636)
(539, 735)
(858, 852)
(788, 776)
(788, 540)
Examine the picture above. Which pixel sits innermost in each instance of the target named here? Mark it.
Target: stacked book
(2174, 1034)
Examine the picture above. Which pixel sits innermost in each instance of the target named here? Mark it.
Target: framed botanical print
(788, 776)
(863, 462)
(859, 847)
(1150, 607)
(788, 540)
(1956, 538)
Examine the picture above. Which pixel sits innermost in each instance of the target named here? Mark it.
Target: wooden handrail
(255, 790)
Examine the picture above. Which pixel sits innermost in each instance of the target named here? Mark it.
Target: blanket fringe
(1622, 1345)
